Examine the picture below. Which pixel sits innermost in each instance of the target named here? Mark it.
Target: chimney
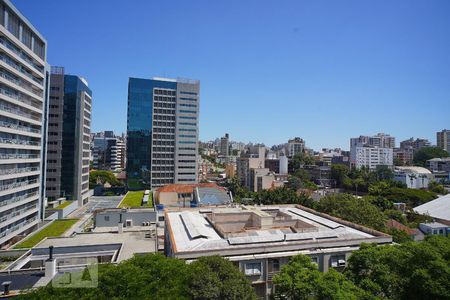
(50, 264)
(6, 285)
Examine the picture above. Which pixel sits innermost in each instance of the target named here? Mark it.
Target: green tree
(301, 159)
(154, 276)
(413, 270)
(426, 153)
(300, 279)
(339, 173)
(352, 209)
(101, 177)
(216, 278)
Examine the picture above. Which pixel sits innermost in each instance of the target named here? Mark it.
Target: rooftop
(186, 188)
(129, 242)
(415, 170)
(249, 229)
(434, 225)
(437, 208)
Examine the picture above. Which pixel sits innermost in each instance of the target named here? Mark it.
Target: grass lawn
(57, 228)
(65, 204)
(134, 199)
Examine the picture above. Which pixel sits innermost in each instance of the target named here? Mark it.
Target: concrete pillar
(50, 268)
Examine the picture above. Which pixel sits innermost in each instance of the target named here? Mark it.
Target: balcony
(19, 127)
(21, 54)
(10, 141)
(14, 185)
(19, 112)
(18, 96)
(18, 156)
(14, 173)
(20, 83)
(17, 200)
(20, 69)
(16, 213)
(17, 227)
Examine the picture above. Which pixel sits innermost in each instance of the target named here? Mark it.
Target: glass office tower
(69, 129)
(162, 130)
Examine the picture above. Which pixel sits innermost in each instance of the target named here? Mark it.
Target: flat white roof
(437, 208)
(191, 231)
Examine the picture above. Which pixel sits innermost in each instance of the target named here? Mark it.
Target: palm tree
(411, 178)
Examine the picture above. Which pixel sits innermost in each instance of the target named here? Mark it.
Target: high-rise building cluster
(108, 151)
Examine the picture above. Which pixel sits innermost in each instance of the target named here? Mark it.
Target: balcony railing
(20, 83)
(18, 156)
(17, 170)
(17, 199)
(17, 227)
(14, 65)
(20, 53)
(14, 185)
(18, 112)
(19, 96)
(17, 213)
(18, 127)
(18, 142)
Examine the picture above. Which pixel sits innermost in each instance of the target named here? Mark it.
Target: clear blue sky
(269, 70)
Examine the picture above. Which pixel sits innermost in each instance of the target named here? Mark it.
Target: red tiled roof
(186, 188)
(391, 223)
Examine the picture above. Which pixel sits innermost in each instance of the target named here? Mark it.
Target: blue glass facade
(140, 123)
(71, 139)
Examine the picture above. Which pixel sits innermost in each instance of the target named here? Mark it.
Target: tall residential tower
(69, 129)
(162, 130)
(443, 139)
(23, 104)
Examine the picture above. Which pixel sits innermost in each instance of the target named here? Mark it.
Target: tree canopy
(102, 177)
(154, 276)
(413, 270)
(426, 153)
(300, 279)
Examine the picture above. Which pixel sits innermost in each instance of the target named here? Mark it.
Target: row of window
(164, 118)
(164, 111)
(163, 124)
(187, 111)
(187, 118)
(165, 92)
(163, 143)
(164, 136)
(164, 130)
(165, 99)
(188, 105)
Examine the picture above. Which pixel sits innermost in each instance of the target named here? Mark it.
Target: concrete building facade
(295, 146)
(108, 152)
(23, 112)
(443, 139)
(224, 148)
(372, 151)
(162, 130)
(69, 130)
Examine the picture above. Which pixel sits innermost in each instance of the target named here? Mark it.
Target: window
(337, 261)
(188, 93)
(107, 218)
(252, 269)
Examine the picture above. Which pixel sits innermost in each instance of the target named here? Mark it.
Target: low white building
(413, 177)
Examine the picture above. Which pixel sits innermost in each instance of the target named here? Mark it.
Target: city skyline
(266, 83)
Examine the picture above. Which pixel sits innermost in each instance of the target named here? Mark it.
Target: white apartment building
(370, 152)
(23, 105)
